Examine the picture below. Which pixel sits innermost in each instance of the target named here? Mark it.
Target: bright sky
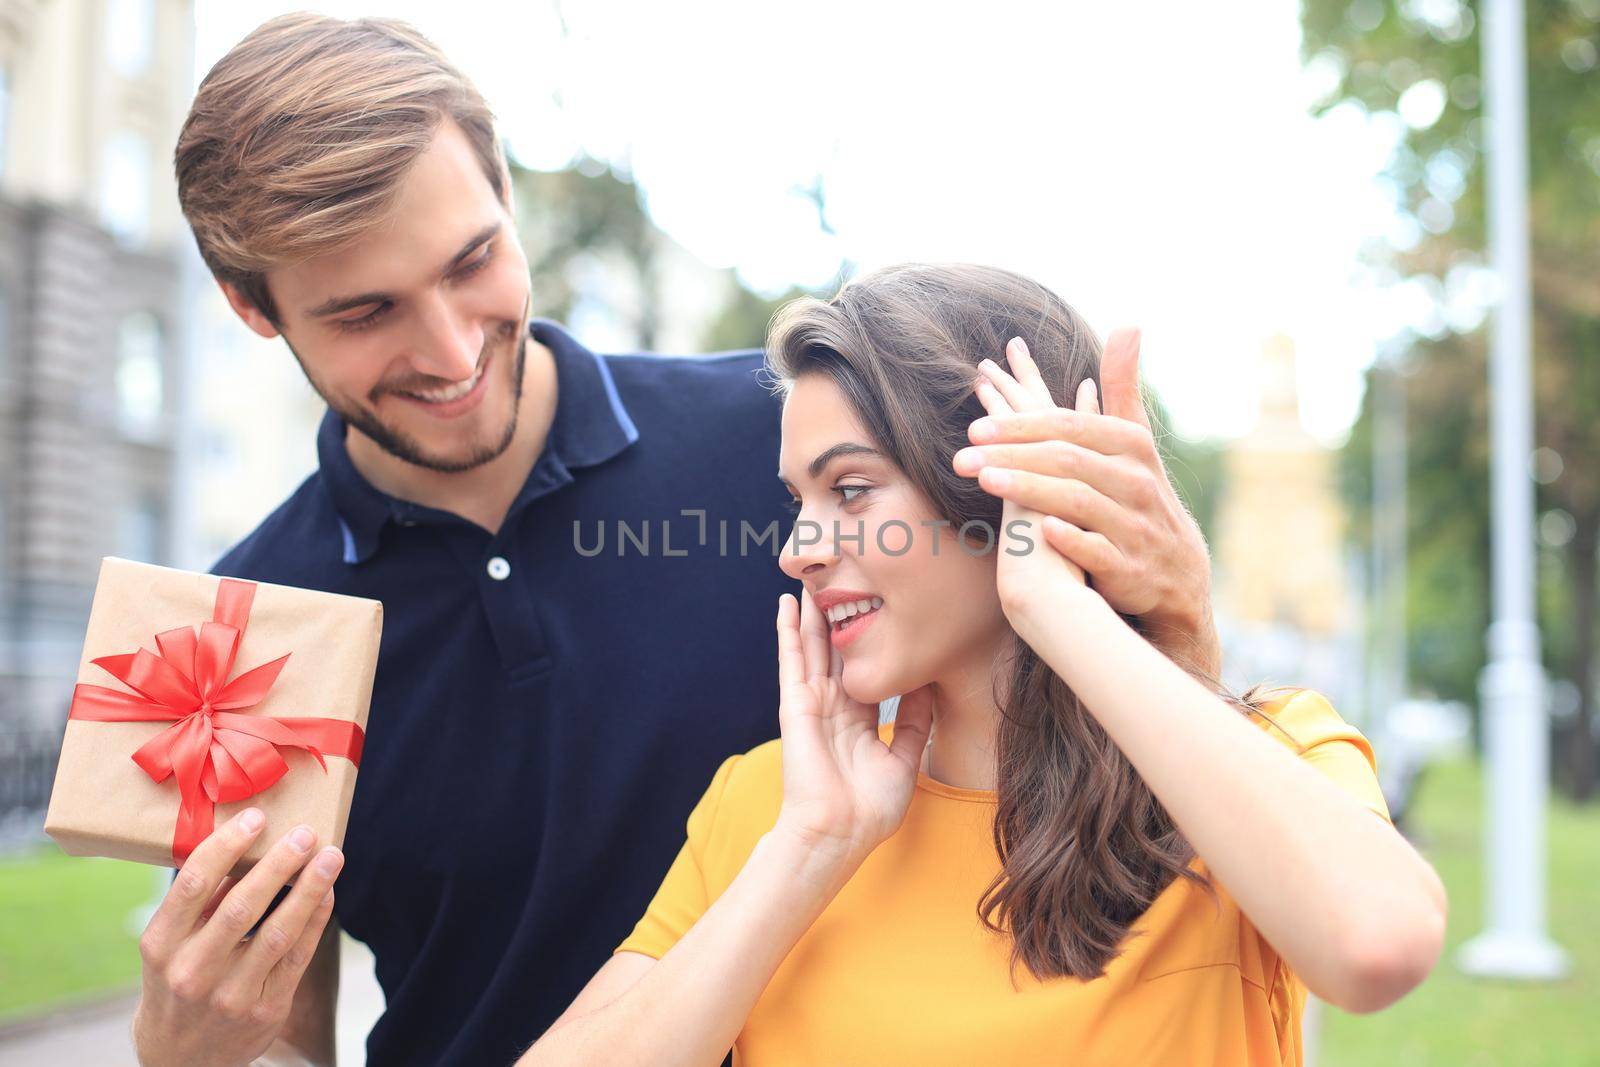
(1155, 164)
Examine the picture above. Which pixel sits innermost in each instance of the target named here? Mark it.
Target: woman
(1066, 848)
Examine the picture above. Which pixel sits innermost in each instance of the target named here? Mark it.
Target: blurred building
(92, 317)
(1282, 569)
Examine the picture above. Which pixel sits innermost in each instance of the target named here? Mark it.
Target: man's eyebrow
(827, 456)
(336, 304)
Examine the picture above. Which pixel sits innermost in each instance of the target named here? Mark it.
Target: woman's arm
(1349, 904)
(688, 1008)
(844, 792)
(1344, 899)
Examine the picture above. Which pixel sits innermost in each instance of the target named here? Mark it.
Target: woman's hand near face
(844, 790)
(1031, 573)
(1102, 472)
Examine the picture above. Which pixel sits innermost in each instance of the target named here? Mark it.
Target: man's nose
(447, 344)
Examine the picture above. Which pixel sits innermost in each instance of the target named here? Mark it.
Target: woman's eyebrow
(828, 455)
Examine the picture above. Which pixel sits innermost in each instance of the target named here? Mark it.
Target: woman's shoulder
(739, 805)
(1301, 718)
(1306, 721)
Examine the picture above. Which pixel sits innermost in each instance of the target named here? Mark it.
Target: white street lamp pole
(1512, 687)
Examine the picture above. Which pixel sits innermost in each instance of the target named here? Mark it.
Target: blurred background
(1289, 200)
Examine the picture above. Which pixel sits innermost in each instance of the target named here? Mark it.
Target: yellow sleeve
(1307, 723)
(684, 895)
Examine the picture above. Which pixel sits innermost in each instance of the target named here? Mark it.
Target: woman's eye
(845, 491)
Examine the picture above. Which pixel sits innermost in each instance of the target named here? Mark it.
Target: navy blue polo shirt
(550, 700)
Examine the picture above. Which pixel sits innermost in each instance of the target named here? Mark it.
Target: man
(575, 556)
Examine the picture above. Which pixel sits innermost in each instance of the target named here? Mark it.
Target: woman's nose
(808, 548)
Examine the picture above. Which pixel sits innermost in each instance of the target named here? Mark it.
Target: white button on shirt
(499, 569)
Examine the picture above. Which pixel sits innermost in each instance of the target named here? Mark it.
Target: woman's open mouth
(849, 619)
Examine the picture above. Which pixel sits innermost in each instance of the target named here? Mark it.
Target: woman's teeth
(839, 614)
(454, 392)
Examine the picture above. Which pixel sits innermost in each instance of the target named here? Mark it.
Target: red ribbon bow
(216, 754)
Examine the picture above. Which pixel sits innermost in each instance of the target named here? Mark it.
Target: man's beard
(405, 448)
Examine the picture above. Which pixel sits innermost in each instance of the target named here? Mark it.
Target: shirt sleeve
(1309, 725)
(683, 895)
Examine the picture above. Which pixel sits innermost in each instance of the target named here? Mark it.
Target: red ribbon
(217, 755)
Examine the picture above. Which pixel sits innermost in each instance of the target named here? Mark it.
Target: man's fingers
(1116, 476)
(1065, 498)
(284, 979)
(247, 901)
(1119, 376)
(1091, 551)
(197, 882)
(282, 930)
(216, 898)
(1103, 433)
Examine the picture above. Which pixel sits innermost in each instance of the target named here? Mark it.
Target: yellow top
(898, 969)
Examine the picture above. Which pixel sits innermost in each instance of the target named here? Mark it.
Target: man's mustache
(506, 331)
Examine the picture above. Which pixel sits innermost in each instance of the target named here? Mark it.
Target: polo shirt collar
(591, 425)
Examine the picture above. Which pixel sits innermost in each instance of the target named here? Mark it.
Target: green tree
(587, 212)
(1420, 59)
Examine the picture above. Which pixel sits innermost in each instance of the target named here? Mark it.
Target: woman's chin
(871, 687)
(865, 685)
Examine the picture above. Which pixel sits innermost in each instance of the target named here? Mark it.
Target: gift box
(200, 696)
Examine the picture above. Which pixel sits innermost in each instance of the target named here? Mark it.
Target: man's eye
(478, 264)
(364, 321)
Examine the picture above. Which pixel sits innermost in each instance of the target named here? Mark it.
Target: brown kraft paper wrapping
(104, 804)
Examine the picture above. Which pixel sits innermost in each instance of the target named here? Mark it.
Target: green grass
(63, 928)
(1468, 1022)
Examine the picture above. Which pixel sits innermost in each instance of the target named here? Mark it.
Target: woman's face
(865, 533)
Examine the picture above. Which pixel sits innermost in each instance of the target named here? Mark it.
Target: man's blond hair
(298, 139)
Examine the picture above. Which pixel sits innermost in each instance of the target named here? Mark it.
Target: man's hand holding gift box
(248, 716)
(254, 693)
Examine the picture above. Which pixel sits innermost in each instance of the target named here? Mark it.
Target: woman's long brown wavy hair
(1084, 845)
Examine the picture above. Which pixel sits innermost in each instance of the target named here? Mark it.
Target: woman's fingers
(814, 638)
(913, 722)
(992, 401)
(1025, 389)
(1025, 370)
(791, 657)
(1017, 396)
(1088, 397)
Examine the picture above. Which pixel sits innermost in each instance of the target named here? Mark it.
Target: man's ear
(246, 310)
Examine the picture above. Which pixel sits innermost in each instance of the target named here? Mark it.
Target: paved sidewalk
(98, 1034)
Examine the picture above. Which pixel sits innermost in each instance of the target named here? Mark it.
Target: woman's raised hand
(1030, 572)
(844, 790)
